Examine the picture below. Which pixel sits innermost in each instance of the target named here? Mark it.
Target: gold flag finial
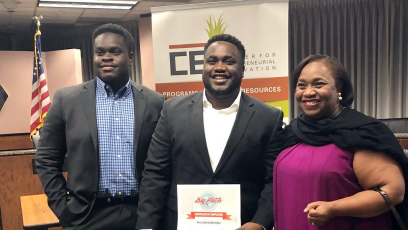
(38, 19)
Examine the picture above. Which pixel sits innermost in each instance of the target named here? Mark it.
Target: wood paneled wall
(16, 179)
(404, 143)
(15, 142)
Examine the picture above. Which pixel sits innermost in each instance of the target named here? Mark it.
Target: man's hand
(319, 212)
(250, 226)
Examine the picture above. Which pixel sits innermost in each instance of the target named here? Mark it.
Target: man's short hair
(117, 29)
(226, 38)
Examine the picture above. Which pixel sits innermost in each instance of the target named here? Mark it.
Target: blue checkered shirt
(115, 117)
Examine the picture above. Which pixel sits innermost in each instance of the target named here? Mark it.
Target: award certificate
(203, 207)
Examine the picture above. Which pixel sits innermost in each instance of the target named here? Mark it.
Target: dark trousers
(110, 214)
(170, 219)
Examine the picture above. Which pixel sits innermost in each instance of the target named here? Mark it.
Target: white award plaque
(203, 207)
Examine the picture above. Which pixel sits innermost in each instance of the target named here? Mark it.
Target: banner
(180, 33)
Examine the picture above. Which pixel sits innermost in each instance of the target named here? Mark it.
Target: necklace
(339, 112)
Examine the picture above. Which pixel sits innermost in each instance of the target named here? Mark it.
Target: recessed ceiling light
(10, 5)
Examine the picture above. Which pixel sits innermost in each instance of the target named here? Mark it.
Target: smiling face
(112, 59)
(316, 92)
(223, 70)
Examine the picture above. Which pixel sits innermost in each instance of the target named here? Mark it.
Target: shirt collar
(235, 104)
(107, 90)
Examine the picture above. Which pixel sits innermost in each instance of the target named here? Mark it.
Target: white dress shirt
(217, 127)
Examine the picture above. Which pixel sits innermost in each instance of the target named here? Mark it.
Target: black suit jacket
(178, 155)
(70, 127)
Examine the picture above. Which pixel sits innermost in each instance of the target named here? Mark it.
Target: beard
(220, 93)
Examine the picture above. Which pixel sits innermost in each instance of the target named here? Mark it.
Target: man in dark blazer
(104, 126)
(219, 136)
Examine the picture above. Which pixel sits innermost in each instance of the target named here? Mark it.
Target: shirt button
(124, 97)
(214, 179)
(120, 174)
(106, 95)
(117, 119)
(119, 193)
(117, 137)
(116, 102)
(118, 156)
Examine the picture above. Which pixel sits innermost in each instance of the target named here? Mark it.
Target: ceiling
(20, 18)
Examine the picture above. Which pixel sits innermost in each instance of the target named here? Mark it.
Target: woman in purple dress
(335, 158)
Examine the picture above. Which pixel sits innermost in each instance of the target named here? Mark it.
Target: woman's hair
(338, 71)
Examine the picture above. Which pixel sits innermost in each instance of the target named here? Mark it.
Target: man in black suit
(104, 126)
(219, 136)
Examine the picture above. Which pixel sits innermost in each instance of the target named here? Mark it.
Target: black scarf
(351, 130)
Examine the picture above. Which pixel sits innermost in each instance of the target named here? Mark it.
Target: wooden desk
(16, 180)
(36, 213)
(403, 139)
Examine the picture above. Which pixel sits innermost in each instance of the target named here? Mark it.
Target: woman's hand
(319, 212)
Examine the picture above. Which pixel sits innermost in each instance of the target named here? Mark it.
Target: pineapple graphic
(215, 27)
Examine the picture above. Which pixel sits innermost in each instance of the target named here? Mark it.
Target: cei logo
(195, 56)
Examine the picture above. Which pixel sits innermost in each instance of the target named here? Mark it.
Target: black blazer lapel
(139, 100)
(244, 115)
(88, 96)
(196, 121)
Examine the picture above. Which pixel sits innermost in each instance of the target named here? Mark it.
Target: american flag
(40, 99)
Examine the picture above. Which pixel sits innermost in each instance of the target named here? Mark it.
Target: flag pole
(38, 32)
(40, 96)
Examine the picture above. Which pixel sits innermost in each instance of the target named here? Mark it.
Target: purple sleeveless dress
(304, 174)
